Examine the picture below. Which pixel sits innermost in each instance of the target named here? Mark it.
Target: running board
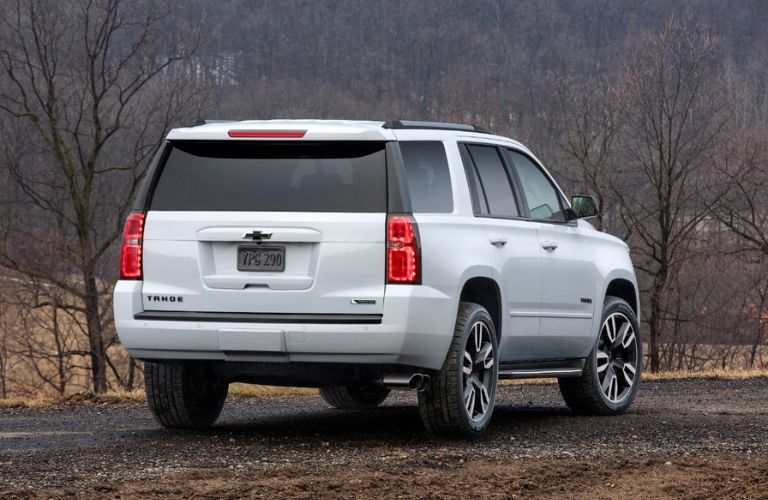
(542, 369)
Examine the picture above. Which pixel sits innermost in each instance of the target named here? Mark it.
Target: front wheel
(608, 385)
(459, 399)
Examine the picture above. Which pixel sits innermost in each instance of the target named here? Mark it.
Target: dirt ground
(557, 478)
(683, 439)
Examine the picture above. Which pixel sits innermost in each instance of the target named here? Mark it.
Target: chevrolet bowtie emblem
(257, 235)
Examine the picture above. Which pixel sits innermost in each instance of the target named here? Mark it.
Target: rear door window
(428, 176)
(495, 183)
(256, 176)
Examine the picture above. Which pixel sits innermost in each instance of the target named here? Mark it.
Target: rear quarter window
(427, 176)
(494, 180)
(257, 176)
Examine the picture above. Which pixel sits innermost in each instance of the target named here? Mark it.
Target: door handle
(498, 242)
(549, 246)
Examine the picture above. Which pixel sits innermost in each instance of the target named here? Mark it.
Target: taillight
(403, 255)
(130, 252)
(268, 134)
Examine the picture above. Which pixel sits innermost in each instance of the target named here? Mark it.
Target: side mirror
(584, 207)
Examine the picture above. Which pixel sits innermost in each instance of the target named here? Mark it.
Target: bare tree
(91, 86)
(757, 309)
(673, 113)
(745, 208)
(591, 124)
(48, 345)
(7, 327)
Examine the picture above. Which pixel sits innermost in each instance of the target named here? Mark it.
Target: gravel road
(691, 438)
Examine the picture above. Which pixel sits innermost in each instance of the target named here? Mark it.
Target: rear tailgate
(291, 227)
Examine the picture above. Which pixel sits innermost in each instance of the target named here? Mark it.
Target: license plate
(260, 258)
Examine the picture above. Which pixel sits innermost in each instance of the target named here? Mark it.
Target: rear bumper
(415, 329)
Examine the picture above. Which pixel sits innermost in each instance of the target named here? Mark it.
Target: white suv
(360, 257)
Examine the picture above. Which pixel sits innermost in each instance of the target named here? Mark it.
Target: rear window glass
(494, 181)
(429, 180)
(280, 177)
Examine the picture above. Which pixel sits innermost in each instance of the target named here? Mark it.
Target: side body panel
(518, 271)
(568, 281)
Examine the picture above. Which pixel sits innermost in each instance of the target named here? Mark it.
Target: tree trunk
(131, 374)
(95, 337)
(3, 390)
(653, 324)
(654, 321)
(756, 345)
(61, 387)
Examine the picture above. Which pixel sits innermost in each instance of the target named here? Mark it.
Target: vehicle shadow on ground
(393, 423)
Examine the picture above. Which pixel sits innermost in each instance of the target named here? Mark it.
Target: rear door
(267, 227)
(515, 250)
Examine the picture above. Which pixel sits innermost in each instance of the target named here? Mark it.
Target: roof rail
(410, 124)
(200, 121)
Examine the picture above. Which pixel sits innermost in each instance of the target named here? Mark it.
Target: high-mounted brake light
(403, 254)
(268, 134)
(130, 251)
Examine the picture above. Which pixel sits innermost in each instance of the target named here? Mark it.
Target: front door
(568, 271)
(568, 288)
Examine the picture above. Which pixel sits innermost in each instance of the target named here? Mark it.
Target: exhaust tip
(413, 382)
(418, 381)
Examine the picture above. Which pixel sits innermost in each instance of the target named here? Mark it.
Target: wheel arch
(486, 292)
(625, 290)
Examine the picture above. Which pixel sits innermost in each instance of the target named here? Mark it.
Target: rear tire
(184, 396)
(608, 385)
(459, 399)
(354, 396)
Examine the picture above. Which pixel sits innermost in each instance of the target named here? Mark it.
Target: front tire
(460, 398)
(354, 396)
(184, 396)
(608, 385)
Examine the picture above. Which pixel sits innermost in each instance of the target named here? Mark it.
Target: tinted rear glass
(429, 181)
(494, 181)
(280, 177)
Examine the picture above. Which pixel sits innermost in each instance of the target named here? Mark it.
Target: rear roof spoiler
(201, 121)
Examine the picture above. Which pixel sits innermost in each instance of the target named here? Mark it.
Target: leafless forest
(659, 108)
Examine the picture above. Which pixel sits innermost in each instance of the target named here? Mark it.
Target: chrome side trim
(540, 373)
(536, 314)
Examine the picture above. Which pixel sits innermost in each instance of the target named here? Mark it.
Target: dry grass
(266, 391)
(669, 375)
(529, 381)
(43, 401)
(707, 374)
(20, 402)
(235, 390)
